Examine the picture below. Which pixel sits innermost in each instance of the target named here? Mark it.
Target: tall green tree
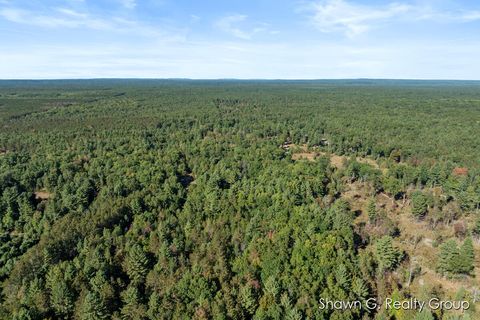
(419, 204)
(372, 210)
(467, 257)
(387, 255)
(448, 258)
(93, 308)
(61, 296)
(476, 227)
(132, 308)
(137, 264)
(424, 315)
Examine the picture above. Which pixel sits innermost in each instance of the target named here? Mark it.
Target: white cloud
(72, 13)
(55, 18)
(235, 25)
(229, 24)
(65, 18)
(352, 19)
(194, 18)
(471, 16)
(165, 52)
(243, 60)
(129, 4)
(463, 16)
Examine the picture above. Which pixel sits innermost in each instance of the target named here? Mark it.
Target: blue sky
(274, 39)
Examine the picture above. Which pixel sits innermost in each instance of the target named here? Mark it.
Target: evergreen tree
(61, 297)
(94, 308)
(36, 298)
(293, 314)
(387, 255)
(342, 276)
(248, 300)
(468, 198)
(448, 258)
(285, 301)
(271, 286)
(136, 205)
(419, 204)
(466, 257)
(137, 264)
(424, 315)
(24, 314)
(154, 311)
(392, 186)
(360, 289)
(132, 308)
(218, 197)
(372, 211)
(476, 227)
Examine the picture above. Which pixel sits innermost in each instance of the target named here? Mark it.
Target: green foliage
(424, 315)
(181, 200)
(468, 197)
(372, 211)
(93, 308)
(476, 227)
(249, 302)
(132, 307)
(448, 257)
(137, 264)
(467, 257)
(61, 296)
(419, 204)
(387, 255)
(453, 260)
(360, 289)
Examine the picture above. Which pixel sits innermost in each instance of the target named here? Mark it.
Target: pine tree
(271, 286)
(285, 301)
(24, 314)
(154, 307)
(424, 315)
(93, 308)
(448, 258)
(372, 211)
(47, 258)
(293, 314)
(36, 298)
(468, 198)
(248, 300)
(132, 308)
(387, 255)
(419, 204)
(136, 205)
(476, 228)
(360, 289)
(392, 186)
(467, 257)
(61, 298)
(342, 276)
(137, 264)
(8, 220)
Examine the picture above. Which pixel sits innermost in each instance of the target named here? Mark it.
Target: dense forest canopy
(180, 199)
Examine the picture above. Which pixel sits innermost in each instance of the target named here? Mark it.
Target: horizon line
(238, 79)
